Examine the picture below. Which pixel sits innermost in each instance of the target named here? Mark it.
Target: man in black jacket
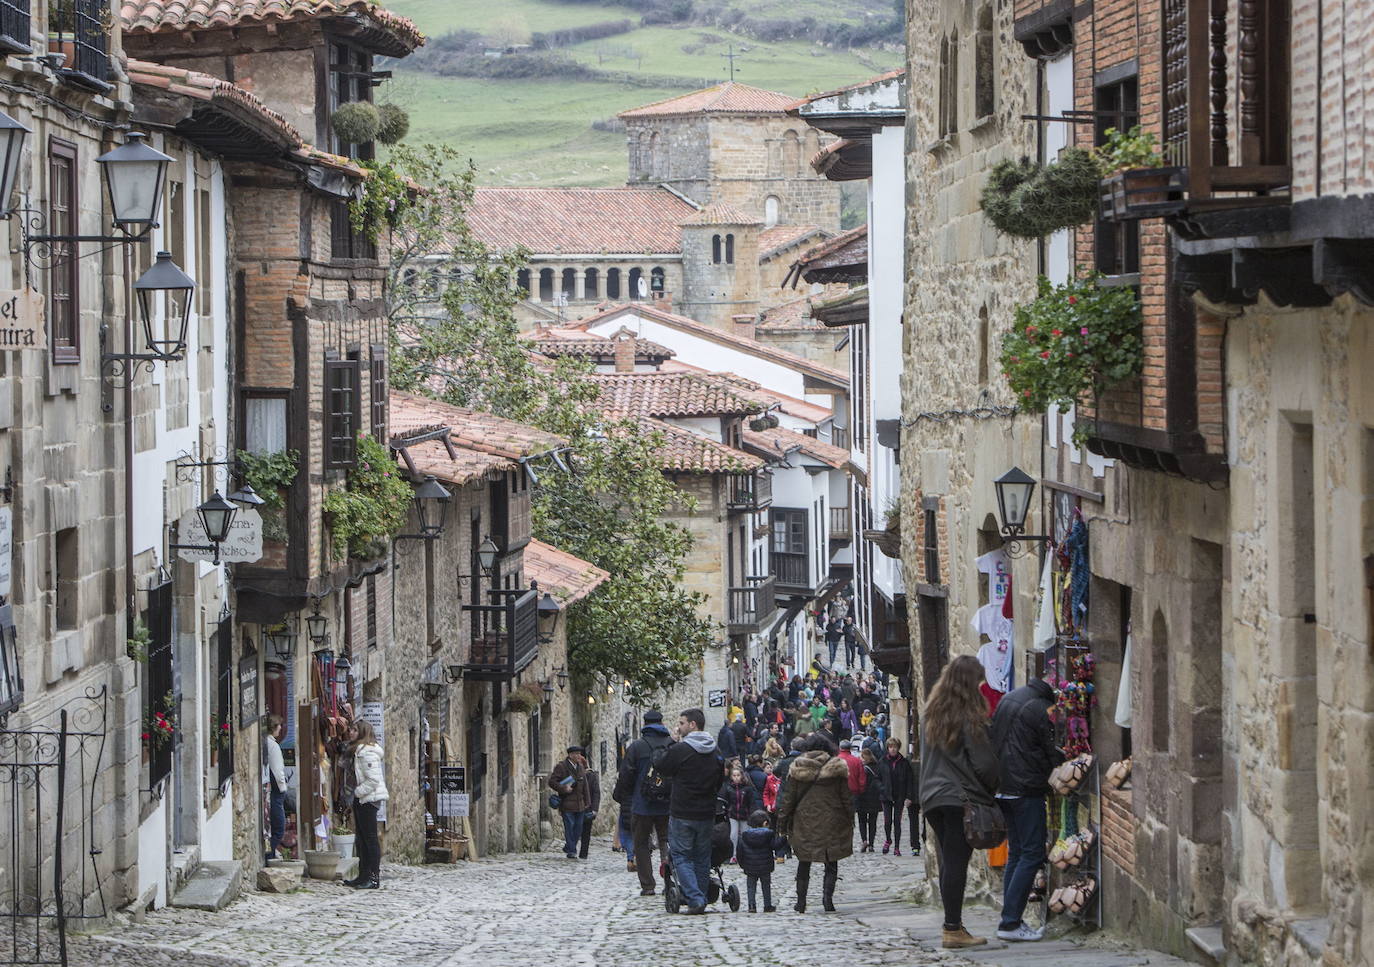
(1024, 740)
(648, 805)
(696, 769)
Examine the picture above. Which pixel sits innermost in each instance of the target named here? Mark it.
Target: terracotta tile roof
(470, 429)
(567, 577)
(679, 394)
(765, 397)
(463, 467)
(779, 441)
(730, 97)
(842, 258)
(799, 314)
(313, 155)
(206, 87)
(720, 214)
(166, 16)
(762, 350)
(686, 452)
(575, 342)
(580, 220)
(780, 237)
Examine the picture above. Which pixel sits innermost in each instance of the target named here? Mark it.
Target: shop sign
(6, 547)
(243, 546)
(248, 690)
(715, 698)
(372, 714)
(453, 791)
(21, 320)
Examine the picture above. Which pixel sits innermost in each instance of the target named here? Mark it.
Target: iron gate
(48, 852)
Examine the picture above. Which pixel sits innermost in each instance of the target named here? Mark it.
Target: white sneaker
(1025, 932)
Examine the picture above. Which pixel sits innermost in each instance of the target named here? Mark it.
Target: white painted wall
(695, 350)
(152, 515)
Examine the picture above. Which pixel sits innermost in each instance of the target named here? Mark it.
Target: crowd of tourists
(774, 785)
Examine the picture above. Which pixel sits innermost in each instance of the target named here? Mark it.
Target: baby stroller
(721, 851)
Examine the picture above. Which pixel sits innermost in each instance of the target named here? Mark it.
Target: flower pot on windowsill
(1135, 193)
(64, 44)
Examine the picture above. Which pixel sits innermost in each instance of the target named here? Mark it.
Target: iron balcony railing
(14, 26)
(505, 635)
(752, 606)
(750, 492)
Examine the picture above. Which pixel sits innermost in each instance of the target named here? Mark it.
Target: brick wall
(1118, 829)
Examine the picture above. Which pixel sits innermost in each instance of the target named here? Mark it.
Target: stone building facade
(1221, 490)
(733, 144)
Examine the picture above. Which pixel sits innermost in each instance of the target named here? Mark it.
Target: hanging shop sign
(243, 546)
(453, 795)
(715, 698)
(248, 690)
(21, 320)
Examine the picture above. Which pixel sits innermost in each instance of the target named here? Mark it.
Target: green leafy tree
(455, 337)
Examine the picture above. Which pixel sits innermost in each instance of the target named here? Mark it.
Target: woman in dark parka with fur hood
(816, 814)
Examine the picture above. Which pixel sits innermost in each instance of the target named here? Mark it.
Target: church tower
(736, 145)
(720, 266)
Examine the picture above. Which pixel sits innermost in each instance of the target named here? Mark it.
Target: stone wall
(1298, 857)
(957, 265)
(715, 291)
(740, 160)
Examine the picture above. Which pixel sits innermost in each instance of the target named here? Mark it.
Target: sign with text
(21, 320)
(6, 547)
(453, 796)
(243, 546)
(373, 714)
(248, 690)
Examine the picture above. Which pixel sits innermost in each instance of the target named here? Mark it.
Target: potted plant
(1075, 341)
(1027, 200)
(371, 506)
(62, 28)
(160, 724)
(1135, 180)
(270, 475)
(342, 838)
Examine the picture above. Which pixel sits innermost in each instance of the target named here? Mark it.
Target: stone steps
(212, 886)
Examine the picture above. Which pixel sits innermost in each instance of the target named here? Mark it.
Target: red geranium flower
(1073, 300)
(1045, 354)
(1056, 332)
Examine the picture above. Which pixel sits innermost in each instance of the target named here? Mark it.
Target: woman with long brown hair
(958, 765)
(368, 795)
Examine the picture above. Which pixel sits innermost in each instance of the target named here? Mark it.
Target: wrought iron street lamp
(431, 502)
(281, 639)
(548, 612)
(562, 675)
(487, 553)
(1014, 490)
(135, 174)
(247, 496)
(12, 137)
(317, 627)
(165, 279)
(216, 517)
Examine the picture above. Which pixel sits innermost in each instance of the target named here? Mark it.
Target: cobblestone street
(540, 908)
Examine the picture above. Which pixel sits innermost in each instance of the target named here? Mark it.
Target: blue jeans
(1026, 832)
(276, 817)
(689, 841)
(572, 832)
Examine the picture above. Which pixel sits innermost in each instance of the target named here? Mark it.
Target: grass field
(539, 131)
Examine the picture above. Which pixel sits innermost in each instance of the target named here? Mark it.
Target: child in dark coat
(755, 853)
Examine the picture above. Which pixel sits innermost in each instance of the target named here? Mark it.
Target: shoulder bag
(984, 824)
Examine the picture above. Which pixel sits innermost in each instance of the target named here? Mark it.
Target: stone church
(721, 201)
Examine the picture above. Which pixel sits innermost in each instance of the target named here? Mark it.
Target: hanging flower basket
(1136, 183)
(1074, 342)
(1027, 200)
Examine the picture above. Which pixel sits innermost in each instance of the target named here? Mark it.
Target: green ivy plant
(1124, 150)
(1076, 340)
(269, 474)
(371, 507)
(356, 122)
(137, 645)
(385, 197)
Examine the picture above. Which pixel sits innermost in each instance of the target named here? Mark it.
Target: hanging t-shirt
(995, 565)
(996, 660)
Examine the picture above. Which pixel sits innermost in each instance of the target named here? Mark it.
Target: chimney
(743, 326)
(624, 342)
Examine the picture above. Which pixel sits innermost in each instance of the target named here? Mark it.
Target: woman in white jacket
(369, 794)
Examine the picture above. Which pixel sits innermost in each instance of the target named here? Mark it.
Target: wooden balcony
(749, 492)
(751, 607)
(841, 527)
(505, 635)
(792, 573)
(1219, 153)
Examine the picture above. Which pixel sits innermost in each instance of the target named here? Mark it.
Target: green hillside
(559, 129)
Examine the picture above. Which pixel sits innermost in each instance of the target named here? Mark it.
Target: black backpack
(655, 787)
